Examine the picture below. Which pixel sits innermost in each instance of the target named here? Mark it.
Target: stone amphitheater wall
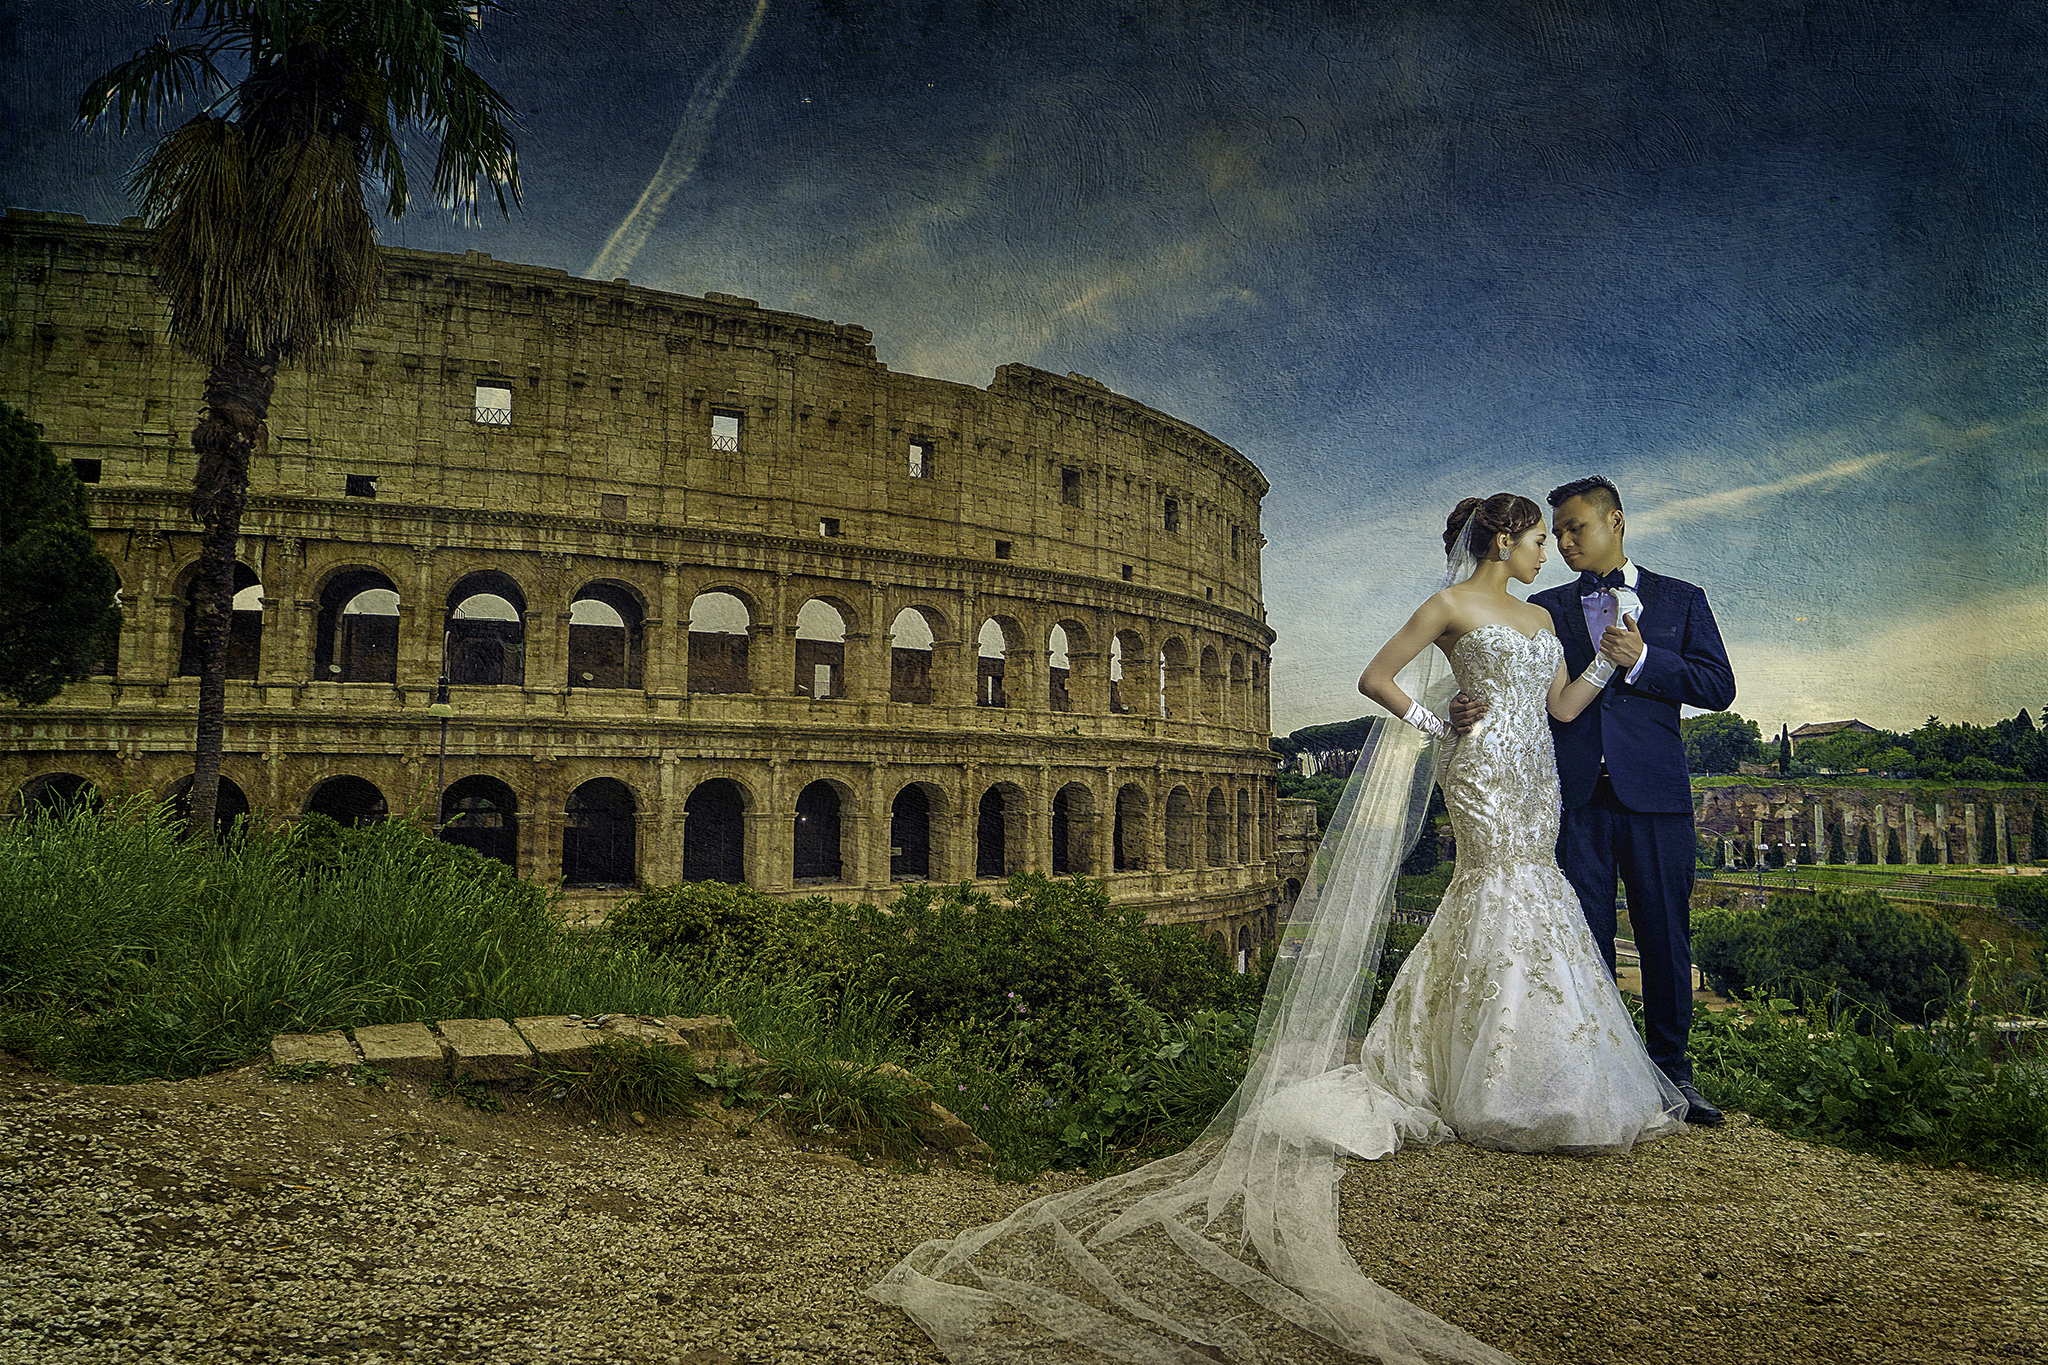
(656, 448)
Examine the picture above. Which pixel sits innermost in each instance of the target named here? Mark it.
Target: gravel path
(242, 1218)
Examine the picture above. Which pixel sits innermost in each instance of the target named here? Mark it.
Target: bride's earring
(1505, 551)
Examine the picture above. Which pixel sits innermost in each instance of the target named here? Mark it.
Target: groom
(1621, 764)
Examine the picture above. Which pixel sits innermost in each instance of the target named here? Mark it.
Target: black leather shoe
(1697, 1110)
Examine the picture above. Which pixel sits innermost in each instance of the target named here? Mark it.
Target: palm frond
(153, 81)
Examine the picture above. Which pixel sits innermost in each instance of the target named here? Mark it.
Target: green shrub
(2024, 899)
(696, 919)
(1834, 945)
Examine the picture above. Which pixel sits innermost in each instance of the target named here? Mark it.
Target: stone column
(876, 870)
(771, 837)
(288, 617)
(1941, 833)
(1756, 840)
(420, 661)
(1973, 837)
(1819, 842)
(1087, 682)
(663, 856)
(1727, 851)
(1909, 831)
(665, 643)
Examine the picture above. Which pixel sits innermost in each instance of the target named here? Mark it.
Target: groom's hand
(1622, 643)
(1466, 713)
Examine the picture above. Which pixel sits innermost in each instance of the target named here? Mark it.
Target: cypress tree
(2037, 837)
(1927, 850)
(1987, 839)
(1865, 854)
(1893, 854)
(1835, 851)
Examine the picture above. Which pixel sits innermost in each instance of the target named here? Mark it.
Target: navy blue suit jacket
(1635, 725)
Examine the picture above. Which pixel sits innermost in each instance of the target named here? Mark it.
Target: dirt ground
(240, 1217)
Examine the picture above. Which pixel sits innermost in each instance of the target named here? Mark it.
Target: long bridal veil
(1228, 1250)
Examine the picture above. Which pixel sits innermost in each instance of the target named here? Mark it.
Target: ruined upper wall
(620, 400)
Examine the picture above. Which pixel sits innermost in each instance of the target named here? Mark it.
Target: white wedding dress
(1503, 1028)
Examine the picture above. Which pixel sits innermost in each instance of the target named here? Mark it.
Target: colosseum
(714, 592)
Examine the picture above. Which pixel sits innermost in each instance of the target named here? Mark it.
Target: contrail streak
(680, 162)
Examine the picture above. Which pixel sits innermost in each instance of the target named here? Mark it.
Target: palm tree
(265, 242)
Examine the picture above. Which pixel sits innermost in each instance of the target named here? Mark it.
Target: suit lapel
(1575, 622)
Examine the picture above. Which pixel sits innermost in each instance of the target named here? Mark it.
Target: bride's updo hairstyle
(1481, 519)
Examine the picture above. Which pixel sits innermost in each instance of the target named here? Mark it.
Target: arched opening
(230, 803)
(1216, 828)
(820, 651)
(245, 626)
(910, 657)
(59, 794)
(1059, 667)
(1127, 693)
(817, 834)
(1131, 835)
(1244, 825)
(347, 800)
(994, 646)
(999, 832)
(719, 622)
(1289, 894)
(598, 845)
(1212, 685)
(1180, 828)
(1244, 948)
(1174, 679)
(910, 835)
(355, 637)
(483, 643)
(606, 637)
(1240, 700)
(482, 813)
(715, 833)
(1073, 830)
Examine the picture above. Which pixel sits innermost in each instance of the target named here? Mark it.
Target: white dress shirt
(1603, 609)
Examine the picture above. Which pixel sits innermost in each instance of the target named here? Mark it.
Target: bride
(1503, 1028)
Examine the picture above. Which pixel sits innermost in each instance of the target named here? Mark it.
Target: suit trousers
(1653, 854)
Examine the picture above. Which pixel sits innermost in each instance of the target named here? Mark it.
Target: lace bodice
(1500, 783)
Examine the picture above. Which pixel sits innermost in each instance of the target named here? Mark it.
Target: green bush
(128, 951)
(714, 920)
(2024, 899)
(1834, 945)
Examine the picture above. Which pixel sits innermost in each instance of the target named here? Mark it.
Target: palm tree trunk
(238, 390)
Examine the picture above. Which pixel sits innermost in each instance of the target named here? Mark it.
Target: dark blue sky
(1777, 269)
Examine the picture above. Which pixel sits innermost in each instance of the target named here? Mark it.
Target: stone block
(558, 1045)
(709, 1033)
(403, 1050)
(644, 1027)
(489, 1049)
(299, 1049)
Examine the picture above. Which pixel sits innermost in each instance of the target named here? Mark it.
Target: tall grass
(128, 951)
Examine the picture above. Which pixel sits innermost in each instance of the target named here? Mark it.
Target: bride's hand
(1466, 713)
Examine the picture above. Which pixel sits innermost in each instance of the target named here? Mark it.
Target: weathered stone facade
(1804, 811)
(716, 591)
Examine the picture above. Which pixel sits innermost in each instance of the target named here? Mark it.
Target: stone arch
(819, 822)
(1244, 948)
(348, 800)
(1001, 831)
(1216, 829)
(918, 833)
(994, 642)
(1075, 833)
(1244, 825)
(245, 624)
(721, 621)
(1128, 692)
(1059, 667)
(1176, 684)
(821, 627)
(607, 635)
(1131, 836)
(1240, 700)
(355, 635)
(715, 831)
(912, 634)
(59, 792)
(482, 812)
(600, 845)
(1180, 828)
(484, 635)
(1212, 685)
(230, 802)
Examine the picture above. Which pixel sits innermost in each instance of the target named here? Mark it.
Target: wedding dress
(1502, 1028)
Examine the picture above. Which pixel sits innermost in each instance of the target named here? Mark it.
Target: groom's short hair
(1595, 488)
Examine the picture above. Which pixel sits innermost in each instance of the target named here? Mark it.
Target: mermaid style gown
(1503, 1027)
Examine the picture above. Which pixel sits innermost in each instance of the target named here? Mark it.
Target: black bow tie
(1590, 582)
